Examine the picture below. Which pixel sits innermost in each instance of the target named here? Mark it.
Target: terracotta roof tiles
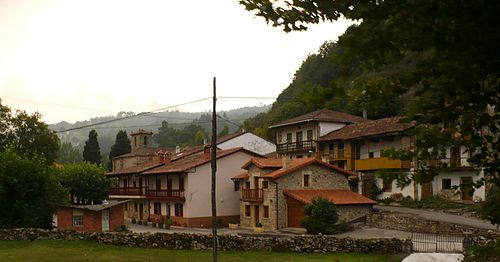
(323, 115)
(297, 164)
(242, 176)
(337, 196)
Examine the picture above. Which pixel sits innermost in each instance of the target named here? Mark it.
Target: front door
(426, 190)
(295, 212)
(298, 139)
(141, 210)
(105, 220)
(466, 188)
(257, 215)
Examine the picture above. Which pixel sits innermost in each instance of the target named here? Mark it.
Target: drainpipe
(277, 205)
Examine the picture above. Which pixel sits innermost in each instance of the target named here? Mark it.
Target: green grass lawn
(67, 251)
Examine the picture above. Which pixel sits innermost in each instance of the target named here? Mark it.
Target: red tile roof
(367, 129)
(337, 196)
(297, 164)
(147, 151)
(242, 176)
(264, 163)
(192, 161)
(323, 115)
(134, 169)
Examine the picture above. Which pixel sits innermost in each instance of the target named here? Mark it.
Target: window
(145, 140)
(157, 208)
(289, 137)
(247, 210)
(178, 210)
(298, 137)
(306, 181)
(266, 211)
(247, 184)
(309, 135)
(125, 182)
(387, 185)
(236, 185)
(371, 155)
(340, 145)
(265, 184)
(446, 183)
(181, 183)
(299, 156)
(341, 164)
(330, 146)
(77, 217)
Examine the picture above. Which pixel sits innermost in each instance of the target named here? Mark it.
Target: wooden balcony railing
(297, 146)
(165, 194)
(454, 162)
(252, 195)
(381, 163)
(126, 191)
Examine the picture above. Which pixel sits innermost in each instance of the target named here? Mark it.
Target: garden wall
(250, 242)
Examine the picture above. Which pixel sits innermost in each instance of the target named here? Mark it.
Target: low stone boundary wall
(409, 223)
(306, 244)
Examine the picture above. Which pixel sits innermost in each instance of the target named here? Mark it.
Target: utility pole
(214, 171)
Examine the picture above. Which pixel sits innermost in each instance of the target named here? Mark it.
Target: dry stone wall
(240, 242)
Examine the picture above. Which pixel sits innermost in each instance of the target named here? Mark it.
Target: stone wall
(349, 213)
(305, 244)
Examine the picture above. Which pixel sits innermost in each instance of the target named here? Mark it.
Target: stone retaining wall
(317, 244)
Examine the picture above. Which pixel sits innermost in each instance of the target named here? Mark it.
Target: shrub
(320, 217)
(134, 220)
(258, 224)
(490, 208)
(122, 228)
(488, 252)
(233, 221)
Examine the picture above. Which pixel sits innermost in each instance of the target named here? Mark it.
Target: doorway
(105, 220)
(256, 214)
(466, 189)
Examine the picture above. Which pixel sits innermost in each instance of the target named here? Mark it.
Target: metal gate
(443, 243)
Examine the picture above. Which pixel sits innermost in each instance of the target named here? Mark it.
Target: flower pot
(258, 229)
(233, 226)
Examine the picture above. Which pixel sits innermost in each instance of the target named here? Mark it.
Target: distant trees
(170, 137)
(224, 131)
(91, 151)
(28, 191)
(86, 182)
(27, 135)
(120, 147)
(68, 154)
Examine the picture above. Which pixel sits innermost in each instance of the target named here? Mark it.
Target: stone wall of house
(320, 178)
(349, 213)
(305, 244)
(410, 223)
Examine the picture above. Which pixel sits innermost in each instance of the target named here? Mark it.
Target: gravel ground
(433, 257)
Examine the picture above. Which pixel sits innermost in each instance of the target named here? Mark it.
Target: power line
(127, 117)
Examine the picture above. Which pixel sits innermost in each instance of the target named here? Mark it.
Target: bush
(258, 224)
(488, 252)
(490, 208)
(320, 217)
(122, 228)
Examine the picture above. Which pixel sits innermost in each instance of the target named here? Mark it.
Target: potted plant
(139, 222)
(258, 228)
(161, 223)
(134, 221)
(145, 222)
(168, 223)
(233, 223)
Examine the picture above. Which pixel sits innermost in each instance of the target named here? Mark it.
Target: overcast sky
(72, 60)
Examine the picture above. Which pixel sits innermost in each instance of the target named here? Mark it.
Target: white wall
(250, 142)
(378, 147)
(327, 127)
(406, 191)
(198, 188)
(479, 193)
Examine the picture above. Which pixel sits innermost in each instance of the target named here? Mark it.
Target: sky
(73, 60)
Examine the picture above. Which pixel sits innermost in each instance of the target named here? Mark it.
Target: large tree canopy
(120, 147)
(440, 57)
(27, 135)
(28, 191)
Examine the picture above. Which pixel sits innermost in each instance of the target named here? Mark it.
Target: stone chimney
(286, 161)
(177, 149)
(167, 157)
(206, 152)
(161, 156)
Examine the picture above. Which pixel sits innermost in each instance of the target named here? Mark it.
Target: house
(296, 137)
(248, 141)
(91, 218)
(274, 191)
(177, 185)
(360, 148)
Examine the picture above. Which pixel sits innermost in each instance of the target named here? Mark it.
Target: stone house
(274, 191)
(91, 218)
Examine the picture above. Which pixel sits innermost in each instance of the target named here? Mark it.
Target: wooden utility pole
(214, 171)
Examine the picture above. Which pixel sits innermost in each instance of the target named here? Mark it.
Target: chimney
(206, 152)
(286, 161)
(167, 157)
(177, 149)
(161, 156)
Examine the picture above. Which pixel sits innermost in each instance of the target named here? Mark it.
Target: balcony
(296, 146)
(252, 195)
(125, 191)
(381, 163)
(166, 194)
(453, 163)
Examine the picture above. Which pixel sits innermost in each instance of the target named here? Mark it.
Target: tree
(490, 208)
(121, 146)
(68, 154)
(320, 217)
(441, 57)
(170, 137)
(28, 191)
(224, 131)
(91, 150)
(27, 135)
(86, 182)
